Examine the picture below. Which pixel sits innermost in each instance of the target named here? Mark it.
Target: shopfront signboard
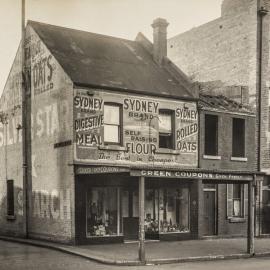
(100, 169)
(192, 175)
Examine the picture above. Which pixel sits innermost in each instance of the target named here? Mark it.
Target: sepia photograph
(134, 134)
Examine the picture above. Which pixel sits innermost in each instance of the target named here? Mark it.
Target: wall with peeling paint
(50, 100)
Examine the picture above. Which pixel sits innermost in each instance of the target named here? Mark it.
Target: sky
(119, 18)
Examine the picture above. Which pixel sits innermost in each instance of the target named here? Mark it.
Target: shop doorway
(130, 213)
(266, 210)
(209, 216)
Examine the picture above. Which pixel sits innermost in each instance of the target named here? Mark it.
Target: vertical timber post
(141, 219)
(250, 235)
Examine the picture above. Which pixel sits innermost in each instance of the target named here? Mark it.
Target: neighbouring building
(230, 56)
(226, 143)
(104, 115)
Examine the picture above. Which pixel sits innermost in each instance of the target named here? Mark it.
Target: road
(15, 256)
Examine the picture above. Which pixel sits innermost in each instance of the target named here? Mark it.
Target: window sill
(167, 151)
(212, 157)
(10, 217)
(112, 147)
(241, 159)
(237, 220)
(176, 232)
(104, 236)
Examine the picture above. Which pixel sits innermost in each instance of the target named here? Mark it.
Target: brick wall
(11, 150)
(225, 227)
(225, 143)
(50, 176)
(52, 204)
(223, 50)
(224, 53)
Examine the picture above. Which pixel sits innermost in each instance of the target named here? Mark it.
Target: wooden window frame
(120, 126)
(242, 155)
(172, 114)
(230, 201)
(206, 152)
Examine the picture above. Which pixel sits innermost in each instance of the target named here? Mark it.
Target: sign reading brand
(191, 175)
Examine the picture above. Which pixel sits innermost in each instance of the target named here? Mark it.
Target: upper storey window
(238, 137)
(166, 124)
(112, 123)
(211, 135)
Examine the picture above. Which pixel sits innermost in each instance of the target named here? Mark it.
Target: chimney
(159, 39)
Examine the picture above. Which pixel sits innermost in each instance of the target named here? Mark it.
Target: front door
(130, 208)
(266, 211)
(209, 217)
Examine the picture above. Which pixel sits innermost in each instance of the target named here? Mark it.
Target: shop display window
(103, 211)
(167, 210)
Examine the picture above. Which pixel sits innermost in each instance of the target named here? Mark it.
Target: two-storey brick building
(114, 137)
(229, 55)
(226, 143)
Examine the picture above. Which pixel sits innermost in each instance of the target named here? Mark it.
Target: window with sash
(112, 123)
(166, 129)
(237, 200)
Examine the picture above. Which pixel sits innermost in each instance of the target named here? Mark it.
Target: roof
(222, 103)
(97, 60)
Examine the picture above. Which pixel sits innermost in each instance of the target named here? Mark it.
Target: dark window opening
(112, 124)
(211, 135)
(238, 137)
(166, 131)
(10, 197)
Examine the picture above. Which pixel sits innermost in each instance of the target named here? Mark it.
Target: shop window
(236, 200)
(10, 197)
(112, 123)
(166, 130)
(173, 210)
(103, 211)
(238, 137)
(211, 135)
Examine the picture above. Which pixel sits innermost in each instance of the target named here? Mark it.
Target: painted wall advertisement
(140, 125)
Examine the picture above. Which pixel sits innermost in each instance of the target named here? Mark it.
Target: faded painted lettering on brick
(140, 124)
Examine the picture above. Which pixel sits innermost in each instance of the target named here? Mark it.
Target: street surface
(15, 256)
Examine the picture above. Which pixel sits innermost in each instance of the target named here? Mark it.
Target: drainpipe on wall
(261, 13)
(24, 123)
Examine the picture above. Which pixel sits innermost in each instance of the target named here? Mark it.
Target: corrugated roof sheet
(94, 59)
(222, 103)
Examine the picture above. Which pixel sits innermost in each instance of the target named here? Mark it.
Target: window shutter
(245, 200)
(229, 200)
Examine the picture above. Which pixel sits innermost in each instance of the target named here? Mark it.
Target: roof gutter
(126, 90)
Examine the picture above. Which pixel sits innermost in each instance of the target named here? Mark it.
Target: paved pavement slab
(161, 251)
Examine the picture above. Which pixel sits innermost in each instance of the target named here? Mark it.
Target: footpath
(159, 252)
